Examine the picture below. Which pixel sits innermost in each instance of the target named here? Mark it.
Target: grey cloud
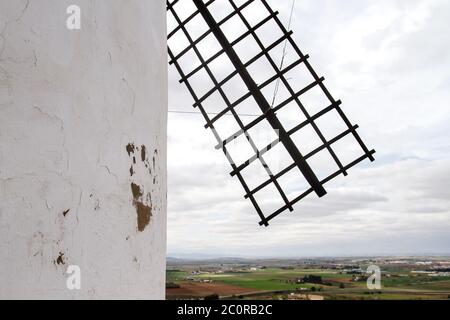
(393, 78)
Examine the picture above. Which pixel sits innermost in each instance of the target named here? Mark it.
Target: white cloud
(388, 61)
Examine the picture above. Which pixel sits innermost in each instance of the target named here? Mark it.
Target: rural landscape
(402, 278)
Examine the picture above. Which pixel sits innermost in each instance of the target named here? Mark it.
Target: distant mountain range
(211, 259)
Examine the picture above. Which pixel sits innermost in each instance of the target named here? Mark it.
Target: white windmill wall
(83, 149)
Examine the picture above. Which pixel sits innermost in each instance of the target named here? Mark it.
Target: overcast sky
(389, 62)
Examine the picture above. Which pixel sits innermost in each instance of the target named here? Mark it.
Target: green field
(335, 285)
(174, 276)
(267, 279)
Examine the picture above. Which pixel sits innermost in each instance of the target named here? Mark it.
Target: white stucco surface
(71, 101)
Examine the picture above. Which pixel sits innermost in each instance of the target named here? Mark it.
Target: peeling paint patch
(97, 205)
(130, 148)
(141, 202)
(144, 212)
(96, 202)
(143, 151)
(60, 259)
(136, 191)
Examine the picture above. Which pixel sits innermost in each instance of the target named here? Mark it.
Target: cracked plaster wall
(70, 103)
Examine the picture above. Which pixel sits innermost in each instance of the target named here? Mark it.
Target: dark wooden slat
(310, 190)
(290, 167)
(220, 52)
(215, 56)
(291, 91)
(249, 94)
(324, 89)
(205, 115)
(264, 116)
(192, 16)
(238, 120)
(261, 101)
(247, 64)
(274, 143)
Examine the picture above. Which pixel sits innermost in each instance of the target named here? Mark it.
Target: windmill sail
(233, 28)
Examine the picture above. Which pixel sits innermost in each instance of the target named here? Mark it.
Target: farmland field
(198, 289)
(298, 281)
